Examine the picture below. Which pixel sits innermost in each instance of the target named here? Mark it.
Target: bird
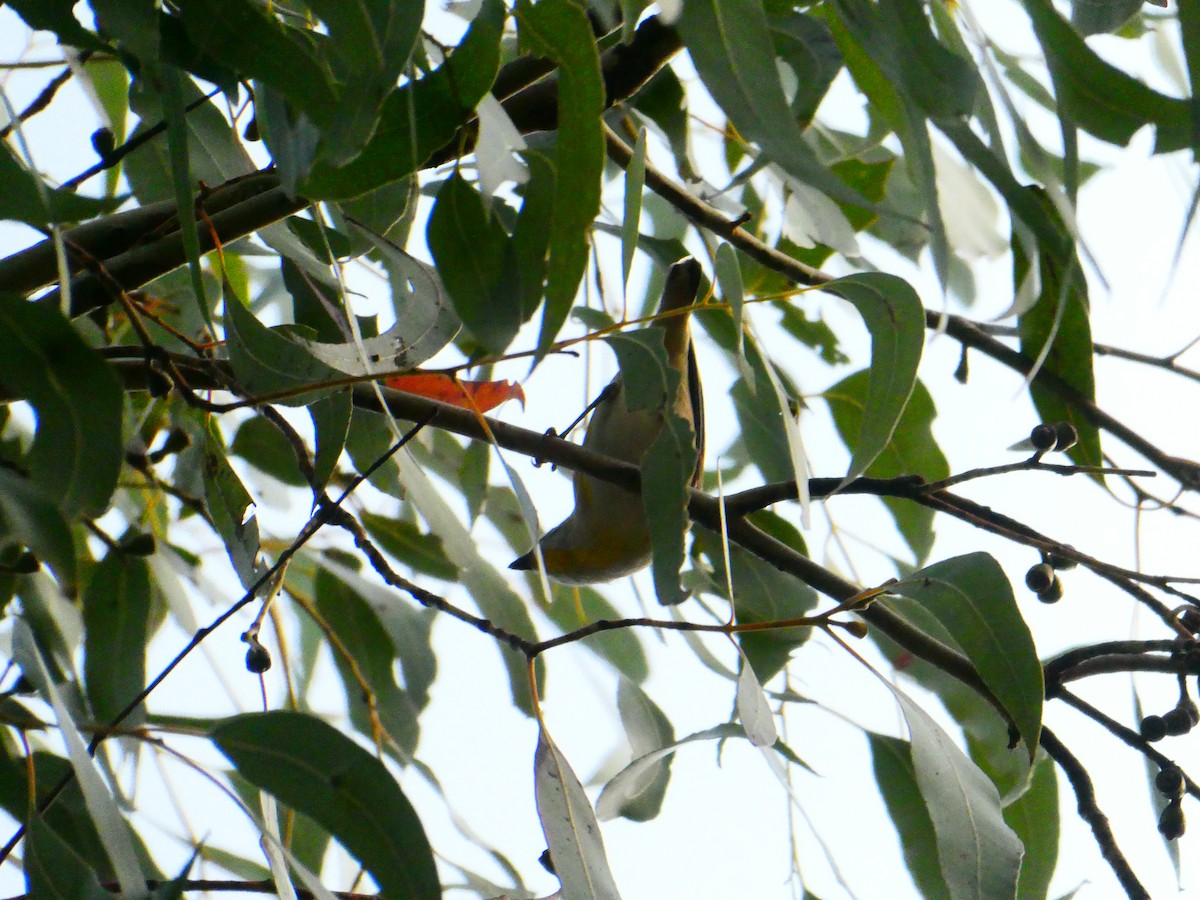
(606, 536)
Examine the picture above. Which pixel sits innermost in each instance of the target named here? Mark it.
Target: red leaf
(479, 395)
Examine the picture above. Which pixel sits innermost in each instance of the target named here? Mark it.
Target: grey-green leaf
(569, 823)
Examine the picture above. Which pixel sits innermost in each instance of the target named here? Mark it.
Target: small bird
(606, 536)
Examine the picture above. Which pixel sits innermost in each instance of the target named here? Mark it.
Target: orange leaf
(480, 395)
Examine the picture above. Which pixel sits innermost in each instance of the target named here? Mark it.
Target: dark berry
(1177, 721)
(138, 543)
(258, 658)
(103, 142)
(1043, 437)
(26, 564)
(1067, 436)
(1039, 578)
(1193, 713)
(1153, 728)
(1171, 822)
(1052, 594)
(1170, 782)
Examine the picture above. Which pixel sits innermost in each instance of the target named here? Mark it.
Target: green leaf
(559, 30)
(403, 540)
(531, 233)
(171, 80)
(635, 183)
(662, 101)
(313, 768)
(372, 655)
(57, 16)
(228, 503)
(267, 362)
(21, 198)
(761, 418)
(420, 118)
(972, 599)
(78, 450)
(730, 45)
(912, 450)
(250, 41)
(980, 856)
(262, 445)
(897, 781)
(331, 423)
(476, 260)
(1059, 318)
(1100, 98)
(895, 318)
(762, 593)
(1034, 816)
(29, 518)
(54, 869)
(570, 826)
(575, 607)
(370, 44)
(408, 628)
(648, 729)
(1101, 16)
(111, 827)
(806, 46)
(116, 616)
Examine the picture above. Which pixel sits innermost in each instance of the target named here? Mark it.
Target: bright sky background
(724, 830)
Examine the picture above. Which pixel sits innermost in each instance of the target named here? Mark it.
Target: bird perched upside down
(606, 535)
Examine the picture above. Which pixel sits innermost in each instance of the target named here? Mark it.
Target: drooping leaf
(573, 608)
(22, 200)
(262, 445)
(267, 362)
(1057, 330)
(1100, 16)
(1100, 98)
(313, 768)
(116, 617)
(635, 183)
(101, 805)
(912, 450)
(1034, 816)
(972, 598)
(897, 781)
(365, 658)
(569, 823)
(54, 869)
(229, 504)
(895, 318)
(477, 263)
(559, 30)
(753, 709)
(730, 45)
(422, 116)
(30, 518)
(647, 729)
(409, 544)
(762, 593)
(980, 856)
(78, 449)
(331, 422)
